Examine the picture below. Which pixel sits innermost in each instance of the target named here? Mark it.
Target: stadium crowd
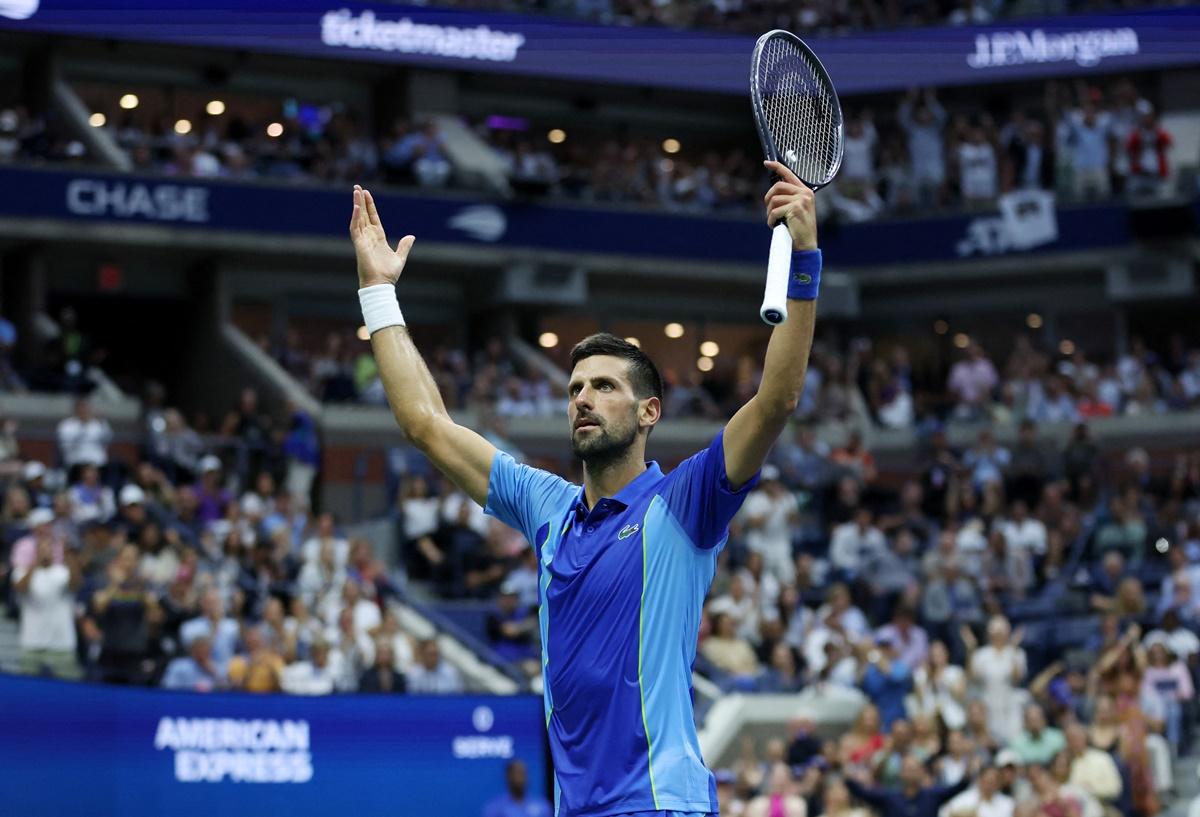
(810, 16)
(913, 154)
(199, 564)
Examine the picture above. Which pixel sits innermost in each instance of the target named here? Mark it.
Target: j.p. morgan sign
(1084, 48)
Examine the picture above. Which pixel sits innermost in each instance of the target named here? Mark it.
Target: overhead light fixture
(548, 340)
(962, 340)
(710, 348)
(1067, 347)
(557, 136)
(673, 330)
(183, 126)
(941, 327)
(129, 101)
(1033, 320)
(215, 107)
(705, 364)
(274, 130)
(97, 120)
(634, 341)
(671, 146)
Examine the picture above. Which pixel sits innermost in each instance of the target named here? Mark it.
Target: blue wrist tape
(805, 278)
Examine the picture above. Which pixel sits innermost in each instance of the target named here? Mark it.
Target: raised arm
(458, 452)
(755, 427)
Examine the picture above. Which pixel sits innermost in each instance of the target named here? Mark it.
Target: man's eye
(606, 386)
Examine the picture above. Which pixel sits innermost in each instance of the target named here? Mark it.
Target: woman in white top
(996, 670)
(940, 688)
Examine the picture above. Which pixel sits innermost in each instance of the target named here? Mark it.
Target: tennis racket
(799, 121)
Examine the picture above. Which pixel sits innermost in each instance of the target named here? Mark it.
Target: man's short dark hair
(643, 374)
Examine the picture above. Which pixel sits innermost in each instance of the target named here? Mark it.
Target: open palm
(377, 262)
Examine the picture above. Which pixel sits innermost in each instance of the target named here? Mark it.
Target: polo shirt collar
(624, 497)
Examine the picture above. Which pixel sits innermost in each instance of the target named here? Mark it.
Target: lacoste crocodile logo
(628, 530)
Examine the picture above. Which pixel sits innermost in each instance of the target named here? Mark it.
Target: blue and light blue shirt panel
(621, 587)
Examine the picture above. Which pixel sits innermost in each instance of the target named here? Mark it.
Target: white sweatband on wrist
(380, 308)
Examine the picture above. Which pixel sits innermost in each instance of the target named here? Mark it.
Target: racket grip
(779, 266)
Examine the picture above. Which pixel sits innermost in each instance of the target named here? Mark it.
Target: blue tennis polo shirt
(621, 588)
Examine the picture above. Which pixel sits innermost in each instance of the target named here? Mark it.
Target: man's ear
(649, 412)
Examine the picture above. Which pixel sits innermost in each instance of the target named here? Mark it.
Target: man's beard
(604, 445)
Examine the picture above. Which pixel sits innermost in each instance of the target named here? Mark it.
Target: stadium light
(363, 333)
(671, 146)
(673, 330)
(1067, 347)
(548, 340)
(634, 341)
(1033, 320)
(215, 107)
(97, 120)
(129, 101)
(183, 126)
(557, 136)
(705, 364)
(710, 348)
(941, 327)
(274, 130)
(1162, 545)
(962, 340)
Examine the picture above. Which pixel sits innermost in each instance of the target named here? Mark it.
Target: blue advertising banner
(644, 56)
(75, 748)
(321, 212)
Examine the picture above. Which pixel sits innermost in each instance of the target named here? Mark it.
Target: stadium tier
(250, 558)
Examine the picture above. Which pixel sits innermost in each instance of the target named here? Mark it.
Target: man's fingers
(784, 172)
(780, 188)
(354, 213)
(372, 213)
(405, 245)
(776, 215)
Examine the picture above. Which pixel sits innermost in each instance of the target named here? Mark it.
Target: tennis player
(625, 559)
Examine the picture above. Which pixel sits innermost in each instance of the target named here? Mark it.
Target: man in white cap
(25, 550)
(213, 499)
(132, 510)
(34, 474)
(46, 590)
(770, 513)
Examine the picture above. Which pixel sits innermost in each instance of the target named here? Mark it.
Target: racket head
(796, 108)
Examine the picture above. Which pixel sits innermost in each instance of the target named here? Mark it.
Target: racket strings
(799, 110)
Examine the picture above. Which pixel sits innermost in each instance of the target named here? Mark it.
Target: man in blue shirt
(517, 801)
(625, 560)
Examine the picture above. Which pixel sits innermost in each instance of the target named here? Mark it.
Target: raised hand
(791, 200)
(377, 262)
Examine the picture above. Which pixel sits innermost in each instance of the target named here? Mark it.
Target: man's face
(517, 778)
(1035, 720)
(602, 409)
(429, 656)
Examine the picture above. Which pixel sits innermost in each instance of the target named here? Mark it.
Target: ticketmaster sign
(641, 56)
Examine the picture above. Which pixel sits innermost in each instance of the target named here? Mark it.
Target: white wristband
(380, 308)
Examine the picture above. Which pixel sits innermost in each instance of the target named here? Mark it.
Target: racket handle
(779, 266)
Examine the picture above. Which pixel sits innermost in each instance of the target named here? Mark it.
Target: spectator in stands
(121, 609)
(83, 438)
(419, 154)
(978, 174)
(972, 381)
(213, 624)
(314, 676)
(511, 629)
(1092, 770)
(1166, 688)
(252, 428)
(780, 798)
(940, 687)
(431, 674)
(211, 497)
(302, 450)
(857, 544)
(729, 652)
(517, 801)
(196, 671)
(382, 677)
(1088, 134)
(1147, 147)
(884, 677)
(998, 668)
(1039, 742)
(922, 119)
(45, 591)
(258, 667)
(40, 526)
(769, 515)
(913, 799)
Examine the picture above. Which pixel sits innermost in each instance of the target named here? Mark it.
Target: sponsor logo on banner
(482, 222)
(1027, 219)
(344, 29)
(1084, 48)
(141, 200)
(213, 750)
(475, 747)
(18, 9)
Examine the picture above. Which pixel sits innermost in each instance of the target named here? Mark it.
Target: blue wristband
(805, 279)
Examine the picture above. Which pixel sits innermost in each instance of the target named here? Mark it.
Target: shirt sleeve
(523, 497)
(699, 495)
